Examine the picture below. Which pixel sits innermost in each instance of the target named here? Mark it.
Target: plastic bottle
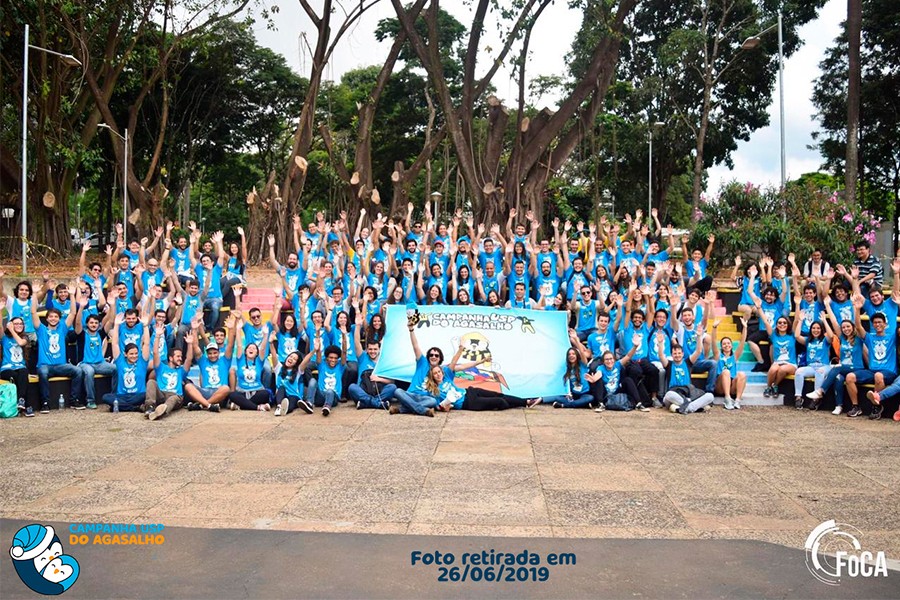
(62, 402)
(116, 405)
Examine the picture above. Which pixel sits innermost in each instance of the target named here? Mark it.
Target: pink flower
(858, 228)
(870, 237)
(748, 188)
(848, 217)
(833, 198)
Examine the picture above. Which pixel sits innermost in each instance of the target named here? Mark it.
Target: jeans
(367, 400)
(317, 397)
(417, 403)
(817, 372)
(127, 402)
(835, 378)
(890, 391)
(211, 319)
(575, 401)
(250, 400)
(710, 368)
(89, 370)
(45, 372)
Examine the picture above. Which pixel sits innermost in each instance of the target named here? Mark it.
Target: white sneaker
(815, 395)
(278, 411)
(600, 408)
(673, 408)
(837, 410)
(729, 404)
(737, 404)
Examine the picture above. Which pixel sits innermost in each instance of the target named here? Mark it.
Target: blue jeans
(211, 319)
(835, 378)
(317, 397)
(417, 403)
(127, 402)
(45, 372)
(368, 400)
(576, 401)
(88, 371)
(710, 368)
(890, 391)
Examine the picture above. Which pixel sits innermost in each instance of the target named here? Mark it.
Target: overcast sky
(757, 160)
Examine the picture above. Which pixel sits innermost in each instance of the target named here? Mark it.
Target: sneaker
(394, 410)
(306, 407)
(78, 404)
(278, 411)
(798, 402)
(657, 403)
(876, 412)
(160, 411)
(896, 415)
(429, 412)
(232, 406)
(759, 368)
(45, 408)
(557, 405)
(386, 405)
(265, 407)
(815, 395)
(21, 405)
(767, 392)
(29, 412)
(673, 408)
(533, 402)
(640, 407)
(837, 410)
(855, 411)
(600, 407)
(91, 405)
(874, 397)
(729, 404)
(285, 404)
(359, 405)
(737, 404)
(147, 413)
(193, 406)
(814, 404)
(214, 408)
(326, 410)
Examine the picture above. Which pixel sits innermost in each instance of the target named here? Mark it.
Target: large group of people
(641, 322)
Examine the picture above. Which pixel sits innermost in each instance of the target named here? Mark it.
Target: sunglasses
(433, 355)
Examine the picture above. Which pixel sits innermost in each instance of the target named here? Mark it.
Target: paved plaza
(768, 474)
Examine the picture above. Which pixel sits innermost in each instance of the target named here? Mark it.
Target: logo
(833, 551)
(37, 555)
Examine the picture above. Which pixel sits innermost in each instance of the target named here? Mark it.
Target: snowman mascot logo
(37, 555)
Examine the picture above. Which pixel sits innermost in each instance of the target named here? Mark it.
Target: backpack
(9, 404)
(373, 388)
(618, 401)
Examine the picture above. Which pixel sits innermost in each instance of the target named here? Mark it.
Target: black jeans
(645, 372)
(477, 399)
(20, 378)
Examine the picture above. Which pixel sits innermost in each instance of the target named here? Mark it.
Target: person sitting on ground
(369, 390)
(612, 378)
(131, 364)
(326, 388)
(289, 381)
(247, 373)
(579, 394)
(682, 396)
(165, 393)
(416, 398)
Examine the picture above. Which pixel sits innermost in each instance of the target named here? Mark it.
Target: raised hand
(144, 241)
(567, 226)
(636, 339)
(169, 226)
(711, 238)
(654, 212)
(240, 231)
(738, 261)
(119, 228)
(529, 214)
(271, 239)
(108, 250)
(513, 213)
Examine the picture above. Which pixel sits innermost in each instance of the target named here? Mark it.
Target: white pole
(25, 156)
(650, 175)
(125, 190)
(781, 93)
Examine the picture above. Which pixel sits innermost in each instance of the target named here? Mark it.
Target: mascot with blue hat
(38, 557)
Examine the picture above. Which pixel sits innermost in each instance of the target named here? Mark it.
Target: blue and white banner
(524, 351)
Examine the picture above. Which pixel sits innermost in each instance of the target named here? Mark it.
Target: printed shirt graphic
(132, 376)
(249, 374)
(816, 352)
(330, 378)
(784, 349)
(52, 344)
(213, 374)
(170, 379)
(13, 357)
(611, 377)
(882, 352)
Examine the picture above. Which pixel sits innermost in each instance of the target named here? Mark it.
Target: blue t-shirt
(679, 374)
(699, 269)
(598, 342)
(13, 356)
(190, 308)
(882, 352)
(417, 383)
(291, 384)
(248, 374)
(727, 363)
(586, 316)
(52, 344)
(816, 352)
(844, 311)
(132, 377)
(92, 351)
(329, 379)
(213, 374)
(578, 385)
(889, 309)
(784, 348)
(215, 287)
(642, 350)
(169, 379)
(852, 354)
(130, 335)
(287, 343)
(18, 308)
(813, 312)
(182, 260)
(611, 377)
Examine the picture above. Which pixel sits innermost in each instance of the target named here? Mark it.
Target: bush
(749, 220)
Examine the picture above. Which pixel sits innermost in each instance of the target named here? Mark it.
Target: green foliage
(749, 220)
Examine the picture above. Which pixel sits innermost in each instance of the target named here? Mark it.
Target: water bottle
(62, 402)
(116, 405)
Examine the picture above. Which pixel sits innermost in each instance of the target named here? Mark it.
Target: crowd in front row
(641, 322)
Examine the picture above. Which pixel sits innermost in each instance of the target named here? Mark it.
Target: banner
(524, 350)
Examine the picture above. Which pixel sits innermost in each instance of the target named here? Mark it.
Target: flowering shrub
(751, 221)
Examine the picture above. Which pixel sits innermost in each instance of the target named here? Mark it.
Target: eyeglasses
(585, 293)
(255, 316)
(433, 355)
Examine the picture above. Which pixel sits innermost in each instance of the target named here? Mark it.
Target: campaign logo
(37, 555)
(833, 551)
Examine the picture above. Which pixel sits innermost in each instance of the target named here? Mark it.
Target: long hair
(430, 384)
(290, 373)
(572, 369)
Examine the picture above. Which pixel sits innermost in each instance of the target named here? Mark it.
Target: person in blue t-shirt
(209, 276)
(12, 367)
(817, 347)
(682, 396)
(369, 390)
(882, 357)
(289, 385)
(416, 397)
(92, 341)
(165, 393)
(783, 352)
(326, 388)
(51, 361)
(877, 303)
(611, 377)
(247, 374)
(697, 268)
(132, 364)
(576, 378)
(769, 306)
(730, 383)
(850, 357)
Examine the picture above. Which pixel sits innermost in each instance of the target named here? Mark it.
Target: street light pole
(69, 60)
(650, 169)
(124, 178)
(781, 99)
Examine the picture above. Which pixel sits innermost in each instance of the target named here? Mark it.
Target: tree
(512, 166)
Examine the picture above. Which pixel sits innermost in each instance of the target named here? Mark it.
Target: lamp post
(749, 44)
(69, 60)
(650, 168)
(436, 198)
(124, 139)
(609, 200)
